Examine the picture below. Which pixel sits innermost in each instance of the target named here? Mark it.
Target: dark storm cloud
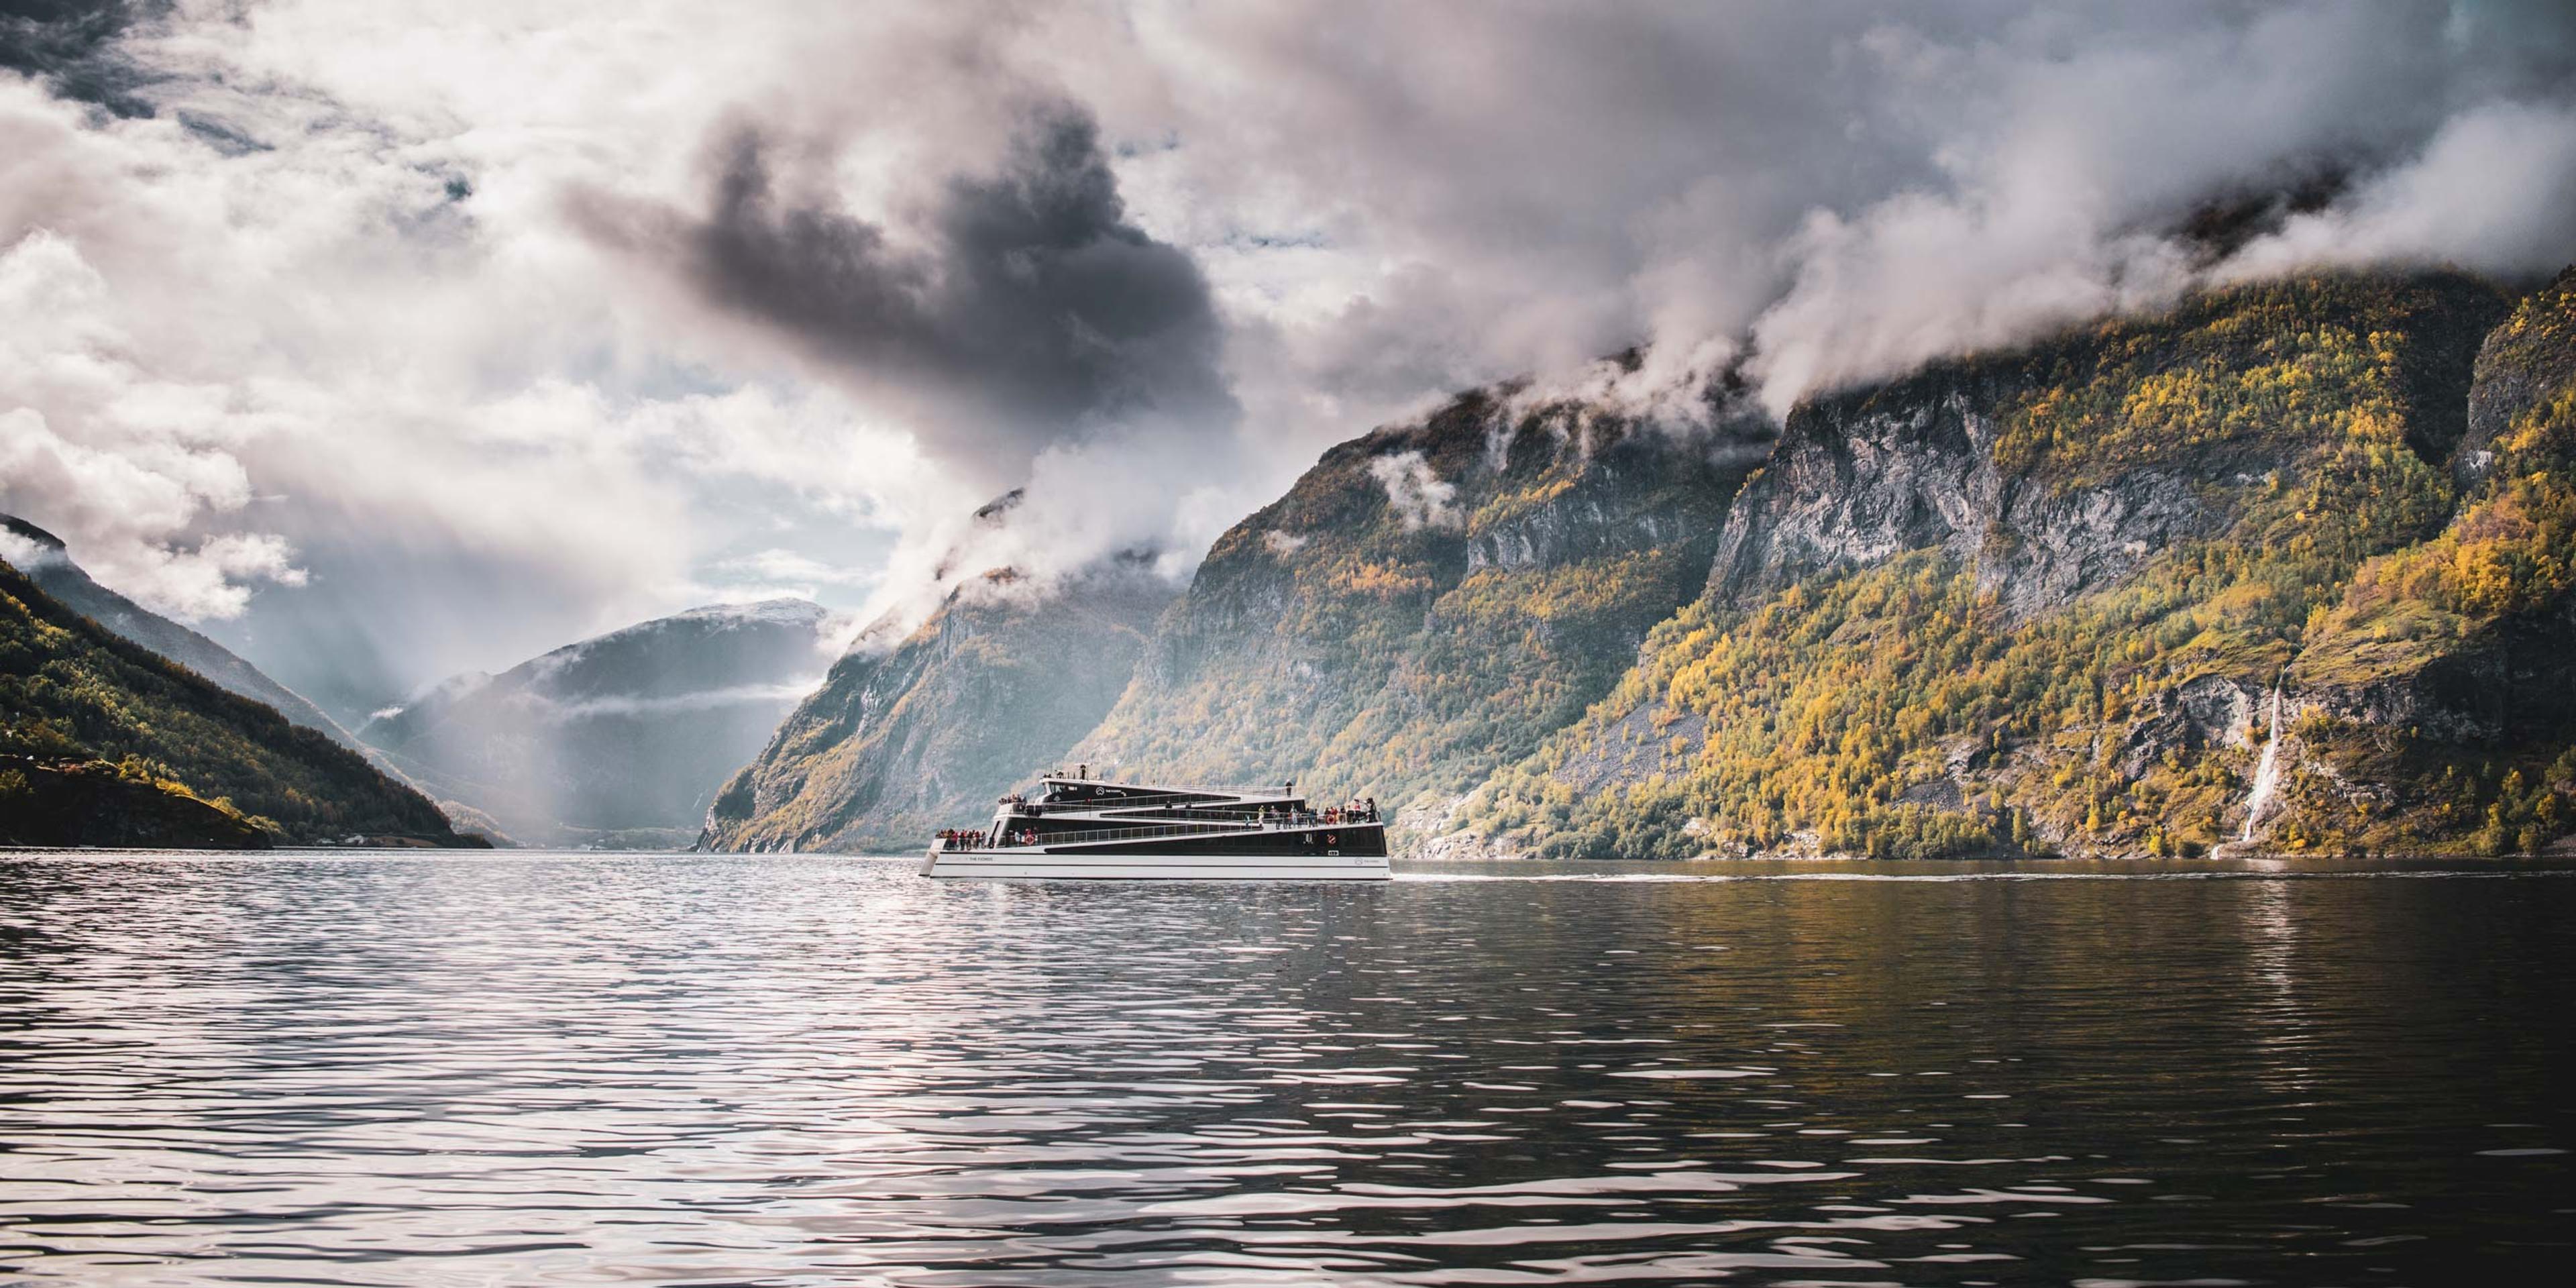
(1025, 308)
(71, 46)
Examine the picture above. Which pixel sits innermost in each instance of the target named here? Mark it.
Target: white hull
(1076, 865)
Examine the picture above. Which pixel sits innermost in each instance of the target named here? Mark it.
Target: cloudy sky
(388, 338)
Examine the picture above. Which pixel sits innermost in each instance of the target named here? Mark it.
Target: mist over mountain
(620, 740)
(927, 719)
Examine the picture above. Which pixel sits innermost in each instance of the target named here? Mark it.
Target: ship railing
(1184, 789)
(1121, 834)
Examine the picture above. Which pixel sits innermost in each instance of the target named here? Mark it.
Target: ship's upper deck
(1078, 791)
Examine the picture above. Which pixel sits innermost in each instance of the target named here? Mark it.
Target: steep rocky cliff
(2041, 600)
(1431, 600)
(919, 730)
(2436, 701)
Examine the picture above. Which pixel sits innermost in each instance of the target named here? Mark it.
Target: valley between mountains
(2067, 599)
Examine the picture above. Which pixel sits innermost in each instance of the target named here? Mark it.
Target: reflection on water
(561, 1069)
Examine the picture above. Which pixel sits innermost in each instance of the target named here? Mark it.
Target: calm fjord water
(564, 1069)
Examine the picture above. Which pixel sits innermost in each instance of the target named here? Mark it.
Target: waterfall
(2267, 771)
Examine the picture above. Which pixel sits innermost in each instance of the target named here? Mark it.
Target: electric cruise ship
(1077, 826)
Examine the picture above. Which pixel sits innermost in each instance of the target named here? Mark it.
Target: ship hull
(1079, 866)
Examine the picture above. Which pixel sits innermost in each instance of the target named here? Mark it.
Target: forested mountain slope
(920, 731)
(1431, 600)
(103, 742)
(46, 562)
(2041, 601)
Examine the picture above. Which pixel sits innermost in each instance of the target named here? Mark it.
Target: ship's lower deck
(1078, 865)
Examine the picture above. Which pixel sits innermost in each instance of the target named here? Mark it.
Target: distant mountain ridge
(618, 740)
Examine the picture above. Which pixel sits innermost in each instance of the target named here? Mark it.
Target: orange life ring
(1332, 838)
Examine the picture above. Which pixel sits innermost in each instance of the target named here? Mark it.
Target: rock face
(2439, 694)
(916, 731)
(620, 740)
(2040, 600)
(103, 742)
(47, 563)
(1430, 600)
(2523, 364)
(1911, 466)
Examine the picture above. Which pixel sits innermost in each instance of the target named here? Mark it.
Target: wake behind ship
(1081, 827)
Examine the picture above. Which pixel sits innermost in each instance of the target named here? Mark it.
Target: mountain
(45, 561)
(103, 742)
(921, 729)
(619, 740)
(1432, 599)
(2285, 567)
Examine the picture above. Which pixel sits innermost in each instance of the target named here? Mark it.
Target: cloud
(319, 397)
(787, 565)
(1021, 310)
(70, 44)
(99, 447)
(562, 711)
(1419, 497)
(1837, 192)
(2493, 190)
(499, 330)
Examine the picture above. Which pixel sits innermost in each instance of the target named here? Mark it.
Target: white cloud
(97, 447)
(2494, 190)
(1417, 494)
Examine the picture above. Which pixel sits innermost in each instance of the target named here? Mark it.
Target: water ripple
(542, 1069)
